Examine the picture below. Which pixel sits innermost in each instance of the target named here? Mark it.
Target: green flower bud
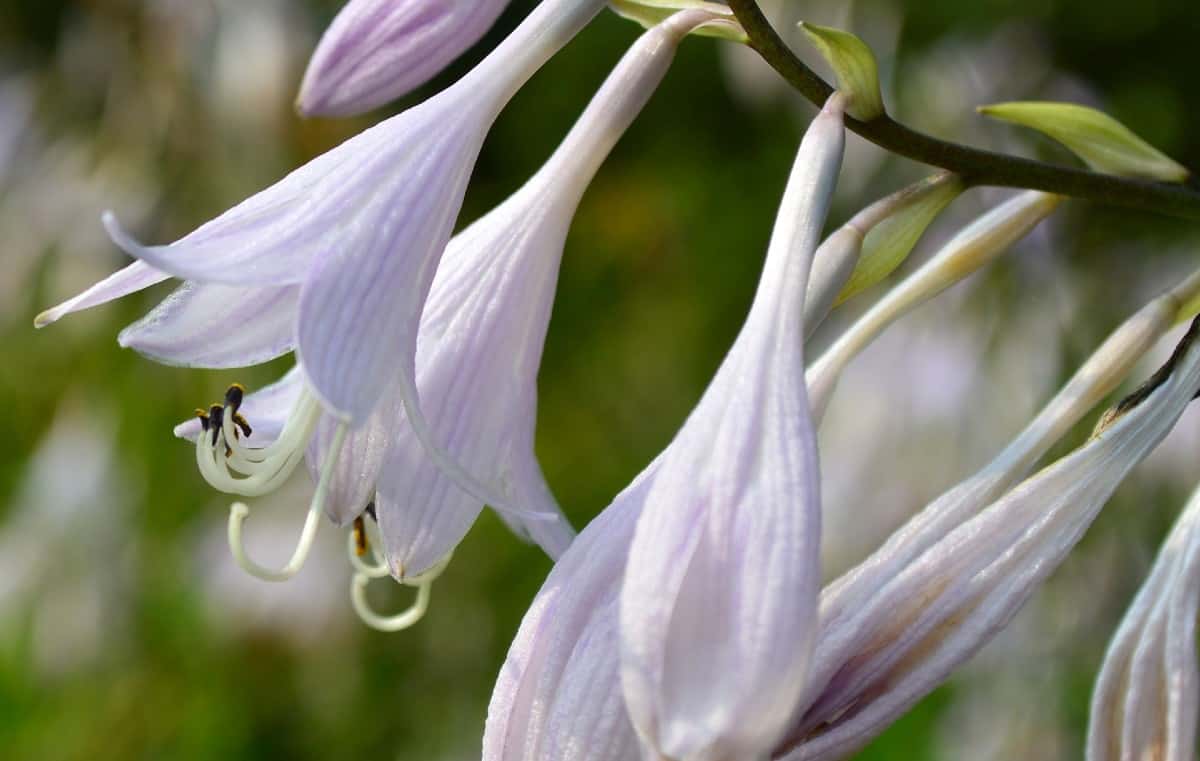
(889, 242)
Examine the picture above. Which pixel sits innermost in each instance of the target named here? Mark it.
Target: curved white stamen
(398, 622)
(261, 471)
(215, 470)
(377, 571)
(296, 430)
(406, 618)
(239, 511)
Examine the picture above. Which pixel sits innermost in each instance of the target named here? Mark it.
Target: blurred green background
(126, 632)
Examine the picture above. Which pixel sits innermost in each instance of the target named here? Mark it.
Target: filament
(409, 616)
(239, 512)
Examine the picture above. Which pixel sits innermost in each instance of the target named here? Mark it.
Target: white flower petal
(723, 569)
(377, 50)
(1145, 701)
(130, 279)
(217, 326)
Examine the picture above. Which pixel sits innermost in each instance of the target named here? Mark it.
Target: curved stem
(977, 167)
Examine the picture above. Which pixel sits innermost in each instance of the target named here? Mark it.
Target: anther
(360, 537)
(234, 396)
(243, 425)
(360, 542)
(216, 416)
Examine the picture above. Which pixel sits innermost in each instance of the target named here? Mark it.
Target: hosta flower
(718, 605)
(1146, 700)
(478, 350)
(480, 344)
(928, 617)
(559, 696)
(334, 261)
(345, 248)
(377, 50)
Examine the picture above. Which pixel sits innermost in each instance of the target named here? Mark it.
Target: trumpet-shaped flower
(479, 347)
(1146, 698)
(722, 569)
(560, 694)
(344, 249)
(377, 50)
(334, 261)
(935, 612)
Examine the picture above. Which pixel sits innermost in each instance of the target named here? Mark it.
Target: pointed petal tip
(48, 317)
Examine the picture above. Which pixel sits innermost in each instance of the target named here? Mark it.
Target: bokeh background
(126, 632)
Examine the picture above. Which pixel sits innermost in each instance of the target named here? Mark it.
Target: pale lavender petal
(266, 410)
(956, 596)
(377, 50)
(353, 480)
(130, 279)
(217, 326)
(483, 329)
(723, 569)
(361, 304)
(273, 238)
(558, 696)
(1145, 701)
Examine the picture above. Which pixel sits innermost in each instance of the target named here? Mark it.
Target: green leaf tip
(1102, 142)
(650, 13)
(855, 66)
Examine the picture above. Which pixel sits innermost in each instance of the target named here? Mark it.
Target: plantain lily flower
(479, 346)
(585, 649)
(334, 261)
(723, 568)
(377, 50)
(935, 611)
(1146, 698)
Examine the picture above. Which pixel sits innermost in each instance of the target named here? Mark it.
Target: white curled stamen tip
(406, 618)
(239, 511)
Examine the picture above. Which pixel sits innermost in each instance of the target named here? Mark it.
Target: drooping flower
(723, 569)
(479, 347)
(378, 50)
(334, 261)
(559, 695)
(1146, 700)
(925, 619)
(345, 248)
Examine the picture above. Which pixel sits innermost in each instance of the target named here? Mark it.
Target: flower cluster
(688, 621)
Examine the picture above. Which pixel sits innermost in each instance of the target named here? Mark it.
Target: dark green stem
(975, 166)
